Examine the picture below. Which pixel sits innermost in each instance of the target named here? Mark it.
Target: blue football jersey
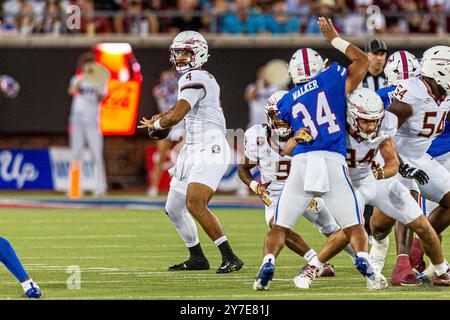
(386, 95)
(319, 105)
(441, 145)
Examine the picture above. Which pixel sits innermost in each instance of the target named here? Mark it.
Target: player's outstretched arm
(360, 62)
(168, 119)
(391, 162)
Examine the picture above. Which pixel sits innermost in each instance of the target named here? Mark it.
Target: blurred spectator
(90, 23)
(324, 9)
(302, 10)
(243, 19)
(52, 17)
(279, 21)
(187, 21)
(137, 20)
(24, 21)
(355, 23)
(256, 94)
(214, 14)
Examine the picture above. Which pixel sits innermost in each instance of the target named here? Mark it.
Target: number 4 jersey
(274, 167)
(426, 122)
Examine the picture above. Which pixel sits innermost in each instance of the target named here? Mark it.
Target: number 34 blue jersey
(319, 105)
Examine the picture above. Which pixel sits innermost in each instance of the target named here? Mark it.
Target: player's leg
(76, 144)
(380, 225)
(95, 144)
(208, 166)
(291, 205)
(9, 258)
(345, 205)
(321, 217)
(187, 229)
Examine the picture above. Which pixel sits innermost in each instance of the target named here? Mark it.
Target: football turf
(124, 254)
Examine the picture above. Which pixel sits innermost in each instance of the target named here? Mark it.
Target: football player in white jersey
(264, 148)
(421, 105)
(204, 158)
(370, 132)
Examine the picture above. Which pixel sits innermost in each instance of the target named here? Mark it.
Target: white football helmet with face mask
(305, 64)
(271, 111)
(435, 64)
(401, 65)
(365, 104)
(189, 42)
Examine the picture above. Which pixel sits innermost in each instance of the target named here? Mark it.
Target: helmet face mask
(188, 43)
(365, 112)
(280, 127)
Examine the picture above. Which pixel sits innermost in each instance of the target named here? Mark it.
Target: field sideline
(123, 254)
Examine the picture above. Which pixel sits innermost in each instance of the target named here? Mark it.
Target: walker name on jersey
(305, 89)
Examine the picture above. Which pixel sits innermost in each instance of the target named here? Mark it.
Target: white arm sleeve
(191, 95)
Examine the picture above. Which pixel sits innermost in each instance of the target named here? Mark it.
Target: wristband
(157, 125)
(254, 186)
(340, 44)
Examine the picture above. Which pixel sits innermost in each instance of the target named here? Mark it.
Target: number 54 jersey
(426, 122)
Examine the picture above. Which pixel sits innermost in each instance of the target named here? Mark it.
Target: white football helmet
(189, 41)
(435, 64)
(364, 103)
(305, 64)
(401, 65)
(271, 111)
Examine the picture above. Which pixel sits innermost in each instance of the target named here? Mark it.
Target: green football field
(123, 254)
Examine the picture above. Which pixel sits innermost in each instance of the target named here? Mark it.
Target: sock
(226, 251)
(350, 252)
(26, 285)
(441, 268)
(309, 255)
(403, 259)
(363, 254)
(221, 240)
(9, 258)
(315, 262)
(268, 257)
(196, 252)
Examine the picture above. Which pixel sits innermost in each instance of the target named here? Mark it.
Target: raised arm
(388, 151)
(360, 62)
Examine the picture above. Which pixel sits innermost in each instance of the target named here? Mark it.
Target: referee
(376, 50)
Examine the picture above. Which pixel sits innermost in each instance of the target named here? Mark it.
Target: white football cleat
(379, 283)
(306, 276)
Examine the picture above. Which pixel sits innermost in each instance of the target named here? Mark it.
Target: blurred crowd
(143, 17)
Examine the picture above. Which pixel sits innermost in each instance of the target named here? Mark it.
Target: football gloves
(413, 173)
(303, 135)
(261, 191)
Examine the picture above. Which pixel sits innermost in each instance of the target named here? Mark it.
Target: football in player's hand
(158, 134)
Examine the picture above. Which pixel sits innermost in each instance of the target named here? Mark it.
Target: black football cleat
(191, 264)
(230, 265)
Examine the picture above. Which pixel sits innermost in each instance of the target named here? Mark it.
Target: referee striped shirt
(373, 82)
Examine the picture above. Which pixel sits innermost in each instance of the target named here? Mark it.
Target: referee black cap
(376, 45)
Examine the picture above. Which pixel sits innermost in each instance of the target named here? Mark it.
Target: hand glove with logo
(413, 173)
(261, 191)
(377, 170)
(303, 135)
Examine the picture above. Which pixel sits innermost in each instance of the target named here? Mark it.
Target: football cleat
(443, 280)
(410, 280)
(264, 277)
(327, 270)
(379, 283)
(306, 276)
(401, 269)
(191, 264)
(230, 265)
(364, 267)
(34, 292)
